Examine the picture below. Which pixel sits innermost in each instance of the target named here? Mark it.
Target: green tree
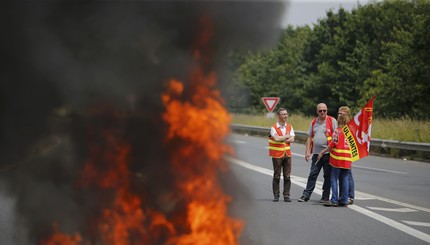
(381, 49)
(401, 80)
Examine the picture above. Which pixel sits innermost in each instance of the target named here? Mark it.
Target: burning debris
(124, 98)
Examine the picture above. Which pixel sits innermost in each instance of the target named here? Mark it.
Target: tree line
(381, 48)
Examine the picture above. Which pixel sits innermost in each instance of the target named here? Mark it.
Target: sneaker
(330, 204)
(276, 199)
(350, 201)
(343, 205)
(303, 199)
(287, 199)
(323, 200)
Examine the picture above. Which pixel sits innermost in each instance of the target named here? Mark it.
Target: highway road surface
(392, 204)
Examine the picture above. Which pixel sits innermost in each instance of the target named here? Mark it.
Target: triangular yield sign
(270, 102)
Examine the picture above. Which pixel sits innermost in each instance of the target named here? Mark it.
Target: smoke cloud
(64, 59)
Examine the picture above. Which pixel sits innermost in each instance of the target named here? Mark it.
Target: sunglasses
(322, 110)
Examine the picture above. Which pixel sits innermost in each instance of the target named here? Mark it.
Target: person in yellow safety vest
(319, 136)
(340, 160)
(281, 135)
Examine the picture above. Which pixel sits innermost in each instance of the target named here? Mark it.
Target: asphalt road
(392, 204)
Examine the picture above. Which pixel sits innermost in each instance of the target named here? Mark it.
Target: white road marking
(407, 205)
(397, 225)
(397, 210)
(424, 224)
(380, 170)
(237, 141)
(357, 197)
(302, 182)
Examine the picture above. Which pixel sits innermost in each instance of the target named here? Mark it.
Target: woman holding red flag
(344, 110)
(340, 160)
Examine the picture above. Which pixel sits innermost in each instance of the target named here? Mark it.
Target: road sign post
(270, 103)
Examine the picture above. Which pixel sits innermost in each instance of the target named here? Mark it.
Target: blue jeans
(351, 191)
(351, 185)
(341, 175)
(313, 175)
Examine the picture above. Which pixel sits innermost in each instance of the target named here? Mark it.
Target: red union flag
(357, 131)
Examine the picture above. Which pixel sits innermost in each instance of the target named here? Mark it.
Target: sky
(302, 12)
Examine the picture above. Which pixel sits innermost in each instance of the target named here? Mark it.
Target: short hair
(322, 104)
(280, 109)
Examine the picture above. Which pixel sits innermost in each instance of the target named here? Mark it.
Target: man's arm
(290, 139)
(327, 149)
(308, 149)
(283, 138)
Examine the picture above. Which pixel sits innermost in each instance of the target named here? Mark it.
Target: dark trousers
(313, 175)
(284, 165)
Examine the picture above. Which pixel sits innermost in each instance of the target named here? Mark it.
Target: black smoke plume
(71, 68)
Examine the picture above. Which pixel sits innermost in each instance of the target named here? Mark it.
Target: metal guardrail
(402, 145)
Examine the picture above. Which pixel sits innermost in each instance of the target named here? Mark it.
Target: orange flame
(197, 127)
(201, 123)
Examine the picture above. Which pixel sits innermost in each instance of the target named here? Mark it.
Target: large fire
(197, 126)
